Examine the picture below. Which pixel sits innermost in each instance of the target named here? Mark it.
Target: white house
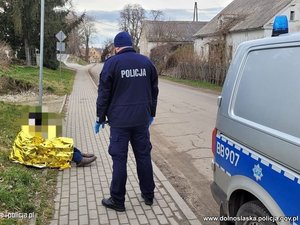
(156, 33)
(244, 20)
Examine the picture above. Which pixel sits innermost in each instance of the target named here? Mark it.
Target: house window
(292, 16)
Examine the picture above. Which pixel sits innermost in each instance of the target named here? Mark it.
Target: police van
(256, 142)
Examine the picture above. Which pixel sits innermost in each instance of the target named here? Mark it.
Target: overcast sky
(106, 12)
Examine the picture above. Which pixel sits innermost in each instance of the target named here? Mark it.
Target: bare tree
(131, 18)
(156, 15)
(87, 30)
(108, 49)
(74, 42)
(74, 38)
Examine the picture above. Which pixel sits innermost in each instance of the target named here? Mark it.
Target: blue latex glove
(151, 120)
(98, 127)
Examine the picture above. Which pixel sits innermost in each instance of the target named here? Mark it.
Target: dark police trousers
(139, 138)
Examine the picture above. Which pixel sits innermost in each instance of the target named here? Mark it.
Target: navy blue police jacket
(128, 90)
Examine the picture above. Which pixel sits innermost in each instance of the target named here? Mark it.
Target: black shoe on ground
(148, 201)
(110, 203)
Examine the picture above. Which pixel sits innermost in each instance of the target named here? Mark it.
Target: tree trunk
(27, 53)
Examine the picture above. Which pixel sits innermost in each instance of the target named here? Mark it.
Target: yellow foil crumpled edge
(39, 152)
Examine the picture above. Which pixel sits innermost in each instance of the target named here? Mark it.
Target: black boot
(110, 203)
(148, 201)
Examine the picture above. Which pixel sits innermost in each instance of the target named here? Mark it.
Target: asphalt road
(181, 139)
(181, 136)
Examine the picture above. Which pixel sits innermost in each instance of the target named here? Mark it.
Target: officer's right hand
(98, 126)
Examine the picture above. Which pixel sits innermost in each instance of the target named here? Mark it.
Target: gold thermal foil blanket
(39, 152)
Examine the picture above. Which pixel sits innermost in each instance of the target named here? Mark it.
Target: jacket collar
(129, 49)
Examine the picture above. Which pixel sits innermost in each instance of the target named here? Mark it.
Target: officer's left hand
(151, 120)
(98, 126)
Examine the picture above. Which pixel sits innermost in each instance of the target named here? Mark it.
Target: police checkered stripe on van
(221, 168)
(273, 165)
(234, 159)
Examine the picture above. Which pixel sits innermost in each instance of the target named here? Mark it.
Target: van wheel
(254, 209)
(223, 214)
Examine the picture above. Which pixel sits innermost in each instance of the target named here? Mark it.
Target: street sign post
(60, 46)
(60, 36)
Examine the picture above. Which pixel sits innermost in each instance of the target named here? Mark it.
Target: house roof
(171, 31)
(243, 15)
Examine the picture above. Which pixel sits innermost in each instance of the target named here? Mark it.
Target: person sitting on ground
(40, 144)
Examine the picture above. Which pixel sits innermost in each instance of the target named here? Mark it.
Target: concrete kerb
(63, 104)
(65, 97)
(187, 212)
(91, 75)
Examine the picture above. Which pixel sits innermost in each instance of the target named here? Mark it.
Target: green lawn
(193, 83)
(9, 115)
(53, 81)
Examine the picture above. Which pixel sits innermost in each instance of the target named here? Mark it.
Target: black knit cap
(122, 39)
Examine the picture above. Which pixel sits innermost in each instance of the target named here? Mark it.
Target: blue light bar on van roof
(280, 26)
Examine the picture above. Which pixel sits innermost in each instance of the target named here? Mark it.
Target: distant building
(244, 20)
(156, 33)
(94, 54)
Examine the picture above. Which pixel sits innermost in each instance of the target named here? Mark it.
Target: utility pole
(41, 53)
(195, 18)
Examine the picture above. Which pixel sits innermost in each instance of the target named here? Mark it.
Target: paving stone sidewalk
(80, 190)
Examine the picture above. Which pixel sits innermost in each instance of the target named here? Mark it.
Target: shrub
(181, 62)
(159, 56)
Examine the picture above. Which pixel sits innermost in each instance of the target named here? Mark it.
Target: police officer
(127, 96)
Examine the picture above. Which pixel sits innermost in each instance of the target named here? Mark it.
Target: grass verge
(193, 83)
(24, 191)
(53, 81)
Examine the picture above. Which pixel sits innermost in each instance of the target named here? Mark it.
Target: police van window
(268, 92)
